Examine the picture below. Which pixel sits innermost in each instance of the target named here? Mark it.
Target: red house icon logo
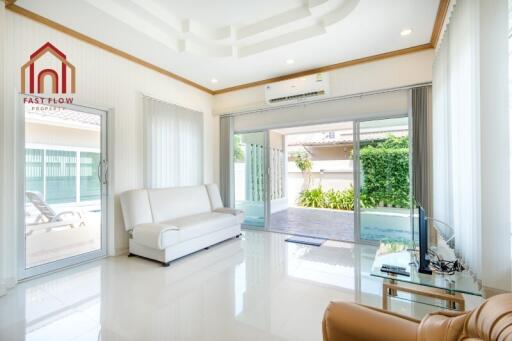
(58, 74)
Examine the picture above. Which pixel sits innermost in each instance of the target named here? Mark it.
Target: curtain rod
(329, 99)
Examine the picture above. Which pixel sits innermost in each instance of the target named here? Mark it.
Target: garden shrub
(385, 173)
(385, 179)
(312, 198)
(339, 200)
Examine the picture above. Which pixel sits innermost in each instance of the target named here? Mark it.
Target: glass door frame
(357, 173)
(266, 182)
(104, 175)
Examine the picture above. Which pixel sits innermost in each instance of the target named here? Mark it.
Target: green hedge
(385, 173)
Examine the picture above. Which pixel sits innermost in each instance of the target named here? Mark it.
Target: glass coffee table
(447, 288)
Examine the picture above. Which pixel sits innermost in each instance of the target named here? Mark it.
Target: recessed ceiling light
(406, 32)
(290, 61)
(214, 80)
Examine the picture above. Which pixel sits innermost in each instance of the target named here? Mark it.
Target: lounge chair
(48, 219)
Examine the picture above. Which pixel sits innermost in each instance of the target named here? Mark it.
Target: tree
(305, 165)
(238, 152)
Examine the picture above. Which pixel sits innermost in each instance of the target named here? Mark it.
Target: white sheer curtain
(173, 145)
(8, 227)
(456, 132)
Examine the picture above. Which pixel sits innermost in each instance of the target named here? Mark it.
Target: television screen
(424, 264)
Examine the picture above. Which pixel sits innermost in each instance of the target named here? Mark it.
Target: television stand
(432, 288)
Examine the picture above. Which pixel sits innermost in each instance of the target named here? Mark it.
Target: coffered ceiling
(224, 43)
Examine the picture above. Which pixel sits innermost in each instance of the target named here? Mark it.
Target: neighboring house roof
(62, 117)
(341, 137)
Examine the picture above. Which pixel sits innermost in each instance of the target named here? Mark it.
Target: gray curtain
(421, 113)
(226, 160)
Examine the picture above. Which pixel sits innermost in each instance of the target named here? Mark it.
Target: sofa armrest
(443, 325)
(239, 214)
(350, 321)
(150, 234)
(228, 210)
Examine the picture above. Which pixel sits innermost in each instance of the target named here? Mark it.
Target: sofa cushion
(214, 194)
(136, 208)
(198, 225)
(177, 202)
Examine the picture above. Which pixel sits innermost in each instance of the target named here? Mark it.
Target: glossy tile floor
(254, 288)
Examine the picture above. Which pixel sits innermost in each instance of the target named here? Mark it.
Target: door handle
(102, 172)
(105, 172)
(98, 172)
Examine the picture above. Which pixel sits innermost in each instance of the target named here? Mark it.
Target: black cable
(438, 264)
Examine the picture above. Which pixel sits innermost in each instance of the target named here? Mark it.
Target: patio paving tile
(320, 223)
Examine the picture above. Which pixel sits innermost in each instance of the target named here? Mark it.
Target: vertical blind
(173, 138)
(421, 110)
(226, 161)
(456, 137)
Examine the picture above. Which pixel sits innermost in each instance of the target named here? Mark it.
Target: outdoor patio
(49, 242)
(314, 222)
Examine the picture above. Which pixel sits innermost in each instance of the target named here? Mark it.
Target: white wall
(108, 81)
(387, 73)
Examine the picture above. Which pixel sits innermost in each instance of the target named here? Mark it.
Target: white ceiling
(242, 41)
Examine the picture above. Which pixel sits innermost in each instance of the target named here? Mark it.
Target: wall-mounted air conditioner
(299, 89)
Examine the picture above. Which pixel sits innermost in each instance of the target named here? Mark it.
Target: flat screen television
(423, 260)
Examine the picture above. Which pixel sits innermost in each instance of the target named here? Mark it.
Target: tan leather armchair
(492, 320)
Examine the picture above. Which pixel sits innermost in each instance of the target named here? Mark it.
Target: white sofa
(169, 223)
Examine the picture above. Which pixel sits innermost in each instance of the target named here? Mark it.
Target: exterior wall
(332, 152)
(108, 81)
(44, 134)
(330, 174)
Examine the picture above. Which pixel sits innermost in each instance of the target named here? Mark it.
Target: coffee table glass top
(461, 282)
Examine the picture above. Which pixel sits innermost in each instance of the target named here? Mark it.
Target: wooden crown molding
(441, 13)
(9, 3)
(438, 24)
(329, 67)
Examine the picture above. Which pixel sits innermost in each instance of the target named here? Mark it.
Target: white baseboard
(120, 251)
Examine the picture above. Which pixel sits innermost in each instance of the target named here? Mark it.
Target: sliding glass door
(62, 199)
(356, 186)
(249, 155)
(383, 187)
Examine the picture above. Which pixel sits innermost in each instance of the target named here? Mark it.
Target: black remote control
(393, 269)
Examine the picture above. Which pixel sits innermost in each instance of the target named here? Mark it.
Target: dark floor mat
(306, 240)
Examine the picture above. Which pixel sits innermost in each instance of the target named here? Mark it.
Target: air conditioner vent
(298, 89)
(299, 96)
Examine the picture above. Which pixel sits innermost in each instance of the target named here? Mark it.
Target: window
(173, 138)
